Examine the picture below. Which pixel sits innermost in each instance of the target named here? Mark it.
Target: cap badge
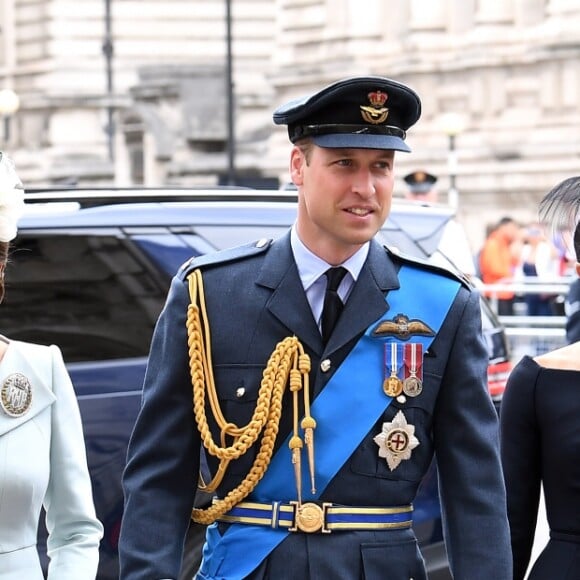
(420, 176)
(403, 328)
(376, 113)
(16, 395)
(396, 440)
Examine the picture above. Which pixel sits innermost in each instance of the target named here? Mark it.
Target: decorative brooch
(16, 395)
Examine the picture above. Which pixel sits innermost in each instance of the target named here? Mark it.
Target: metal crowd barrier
(531, 335)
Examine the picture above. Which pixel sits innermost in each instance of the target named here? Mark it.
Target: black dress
(540, 438)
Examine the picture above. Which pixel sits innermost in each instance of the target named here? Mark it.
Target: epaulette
(223, 256)
(455, 274)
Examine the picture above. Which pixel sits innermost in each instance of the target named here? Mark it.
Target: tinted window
(94, 295)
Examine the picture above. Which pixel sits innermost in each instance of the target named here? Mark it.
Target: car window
(93, 295)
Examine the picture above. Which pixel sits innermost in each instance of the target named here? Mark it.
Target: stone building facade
(508, 71)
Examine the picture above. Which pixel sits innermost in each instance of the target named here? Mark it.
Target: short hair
(306, 146)
(505, 220)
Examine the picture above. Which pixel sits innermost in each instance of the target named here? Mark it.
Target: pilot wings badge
(396, 440)
(403, 328)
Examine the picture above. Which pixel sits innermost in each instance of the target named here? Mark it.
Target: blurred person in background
(563, 242)
(453, 248)
(421, 186)
(498, 260)
(540, 261)
(42, 452)
(540, 435)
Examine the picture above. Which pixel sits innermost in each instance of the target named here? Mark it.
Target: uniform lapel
(288, 302)
(289, 305)
(366, 302)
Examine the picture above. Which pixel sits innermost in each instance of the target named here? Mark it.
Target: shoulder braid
(287, 364)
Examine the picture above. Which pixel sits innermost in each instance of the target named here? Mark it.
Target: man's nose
(364, 184)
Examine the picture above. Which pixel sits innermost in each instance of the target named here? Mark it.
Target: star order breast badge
(396, 441)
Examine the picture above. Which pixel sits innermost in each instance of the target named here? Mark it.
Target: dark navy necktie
(333, 305)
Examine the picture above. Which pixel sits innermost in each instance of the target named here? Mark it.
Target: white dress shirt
(311, 270)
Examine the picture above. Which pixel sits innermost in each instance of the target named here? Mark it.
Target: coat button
(325, 365)
(240, 392)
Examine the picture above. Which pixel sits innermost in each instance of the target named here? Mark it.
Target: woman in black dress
(540, 434)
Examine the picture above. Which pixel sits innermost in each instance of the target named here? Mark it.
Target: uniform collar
(311, 267)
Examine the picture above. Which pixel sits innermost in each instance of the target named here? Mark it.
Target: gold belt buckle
(309, 517)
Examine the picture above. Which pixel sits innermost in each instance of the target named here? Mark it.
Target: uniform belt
(313, 517)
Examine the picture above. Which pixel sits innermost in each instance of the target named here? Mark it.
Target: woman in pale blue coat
(42, 455)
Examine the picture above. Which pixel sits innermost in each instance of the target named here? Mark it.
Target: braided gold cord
(265, 420)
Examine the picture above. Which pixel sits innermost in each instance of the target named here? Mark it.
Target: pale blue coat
(43, 463)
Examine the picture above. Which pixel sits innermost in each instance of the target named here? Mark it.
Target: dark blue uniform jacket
(255, 299)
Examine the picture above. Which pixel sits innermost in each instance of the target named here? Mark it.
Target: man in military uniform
(326, 372)
(453, 250)
(421, 186)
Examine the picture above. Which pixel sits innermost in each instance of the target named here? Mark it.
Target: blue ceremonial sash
(242, 547)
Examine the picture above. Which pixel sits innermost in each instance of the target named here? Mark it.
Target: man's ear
(578, 268)
(297, 164)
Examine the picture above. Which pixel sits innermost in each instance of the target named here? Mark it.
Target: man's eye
(344, 162)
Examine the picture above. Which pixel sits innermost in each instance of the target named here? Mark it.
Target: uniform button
(261, 243)
(402, 399)
(325, 365)
(240, 392)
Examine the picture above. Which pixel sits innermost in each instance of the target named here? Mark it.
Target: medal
(396, 441)
(413, 385)
(393, 385)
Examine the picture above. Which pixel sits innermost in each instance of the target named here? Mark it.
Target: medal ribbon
(393, 359)
(414, 360)
(238, 552)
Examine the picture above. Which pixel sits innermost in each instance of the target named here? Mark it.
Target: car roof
(411, 227)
